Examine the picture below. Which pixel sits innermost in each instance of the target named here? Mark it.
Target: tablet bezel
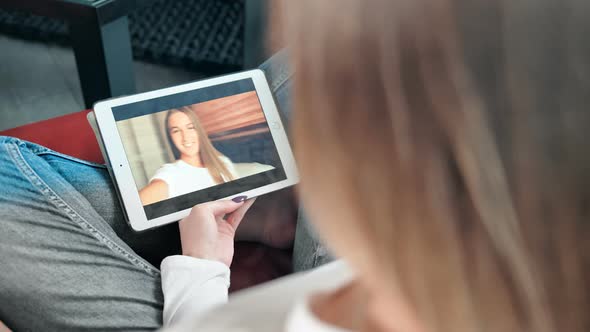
(121, 170)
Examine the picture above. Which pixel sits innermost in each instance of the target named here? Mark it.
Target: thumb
(236, 217)
(220, 208)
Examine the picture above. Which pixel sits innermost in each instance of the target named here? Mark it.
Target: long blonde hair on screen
(210, 156)
(456, 137)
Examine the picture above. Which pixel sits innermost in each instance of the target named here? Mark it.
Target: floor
(40, 81)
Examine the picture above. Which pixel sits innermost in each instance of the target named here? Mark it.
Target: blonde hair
(460, 132)
(208, 153)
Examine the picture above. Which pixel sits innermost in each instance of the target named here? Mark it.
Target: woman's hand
(206, 234)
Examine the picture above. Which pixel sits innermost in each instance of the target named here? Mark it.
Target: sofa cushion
(70, 134)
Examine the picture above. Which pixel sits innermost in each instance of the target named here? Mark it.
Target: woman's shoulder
(267, 307)
(225, 159)
(229, 164)
(166, 171)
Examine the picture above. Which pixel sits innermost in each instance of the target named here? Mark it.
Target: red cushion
(69, 134)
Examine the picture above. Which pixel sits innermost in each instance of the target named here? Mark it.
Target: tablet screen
(198, 146)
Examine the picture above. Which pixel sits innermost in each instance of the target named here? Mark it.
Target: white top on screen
(183, 178)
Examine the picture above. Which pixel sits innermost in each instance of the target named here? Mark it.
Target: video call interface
(197, 146)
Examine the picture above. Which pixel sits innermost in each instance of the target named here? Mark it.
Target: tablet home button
(275, 125)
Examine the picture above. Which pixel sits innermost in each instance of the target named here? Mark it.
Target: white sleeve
(192, 286)
(230, 166)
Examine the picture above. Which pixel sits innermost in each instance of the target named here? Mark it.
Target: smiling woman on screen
(198, 164)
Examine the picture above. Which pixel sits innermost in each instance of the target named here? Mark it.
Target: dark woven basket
(204, 35)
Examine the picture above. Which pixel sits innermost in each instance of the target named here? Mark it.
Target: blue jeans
(68, 260)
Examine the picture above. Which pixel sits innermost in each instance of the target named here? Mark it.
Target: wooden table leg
(255, 20)
(104, 58)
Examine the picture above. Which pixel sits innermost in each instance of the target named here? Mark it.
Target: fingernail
(239, 199)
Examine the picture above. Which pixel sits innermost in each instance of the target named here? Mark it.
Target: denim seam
(59, 158)
(68, 158)
(282, 78)
(60, 203)
(316, 256)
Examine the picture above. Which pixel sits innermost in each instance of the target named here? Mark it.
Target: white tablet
(170, 149)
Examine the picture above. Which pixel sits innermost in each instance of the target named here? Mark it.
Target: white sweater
(195, 296)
